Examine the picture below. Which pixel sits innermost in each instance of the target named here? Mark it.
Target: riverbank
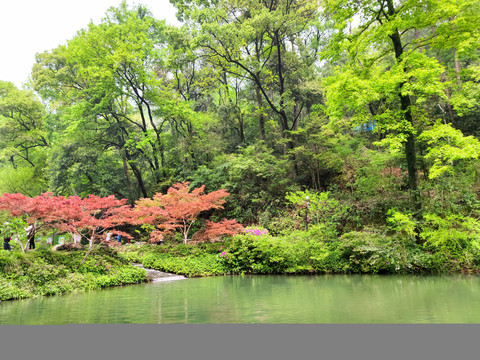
(366, 252)
(45, 272)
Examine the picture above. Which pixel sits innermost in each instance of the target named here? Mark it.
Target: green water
(263, 299)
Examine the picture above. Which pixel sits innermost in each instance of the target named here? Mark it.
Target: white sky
(28, 27)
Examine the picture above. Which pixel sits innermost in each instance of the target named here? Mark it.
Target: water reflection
(264, 299)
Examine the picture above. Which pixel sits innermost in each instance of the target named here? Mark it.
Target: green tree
(271, 44)
(23, 140)
(385, 76)
(108, 82)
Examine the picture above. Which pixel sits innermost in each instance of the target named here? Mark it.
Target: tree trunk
(457, 68)
(406, 104)
(138, 175)
(31, 238)
(261, 120)
(90, 248)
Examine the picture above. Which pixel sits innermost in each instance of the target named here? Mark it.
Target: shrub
(454, 239)
(369, 251)
(320, 209)
(49, 273)
(43, 273)
(191, 265)
(259, 255)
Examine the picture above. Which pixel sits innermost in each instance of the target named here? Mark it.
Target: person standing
(31, 237)
(6, 243)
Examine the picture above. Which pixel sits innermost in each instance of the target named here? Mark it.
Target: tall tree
(266, 42)
(24, 140)
(109, 77)
(386, 77)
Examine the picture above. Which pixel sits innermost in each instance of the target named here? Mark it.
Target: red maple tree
(180, 209)
(34, 210)
(92, 215)
(213, 230)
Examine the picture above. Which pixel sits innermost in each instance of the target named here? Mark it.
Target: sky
(28, 27)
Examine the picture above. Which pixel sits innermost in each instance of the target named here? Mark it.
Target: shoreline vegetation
(45, 272)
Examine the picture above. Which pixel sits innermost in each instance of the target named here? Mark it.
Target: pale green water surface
(263, 299)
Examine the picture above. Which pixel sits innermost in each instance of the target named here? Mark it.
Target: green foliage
(26, 180)
(45, 272)
(259, 255)
(446, 147)
(201, 264)
(371, 252)
(15, 228)
(255, 178)
(453, 233)
(237, 99)
(367, 251)
(122, 276)
(320, 209)
(42, 273)
(403, 224)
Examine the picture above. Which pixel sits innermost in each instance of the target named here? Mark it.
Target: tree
(23, 141)
(34, 210)
(272, 44)
(180, 209)
(385, 76)
(92, 215)
(16, 228)
(109, 87)
(21, 124)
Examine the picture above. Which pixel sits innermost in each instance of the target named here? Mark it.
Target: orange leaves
(182, 205)
(179, 208)
(213, 231)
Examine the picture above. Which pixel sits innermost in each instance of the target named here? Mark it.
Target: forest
(354, 124)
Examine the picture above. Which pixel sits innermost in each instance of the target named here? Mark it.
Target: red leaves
(91, 214)
(181, 205)
(213, 231)
(73, 214)
(178, 209)
(17, 204)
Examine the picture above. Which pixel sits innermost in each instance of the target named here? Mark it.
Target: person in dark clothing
(31, 237)
(31, 242)
(6, 243)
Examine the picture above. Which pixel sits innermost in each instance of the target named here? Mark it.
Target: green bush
(369, 251)
(326, 257)
(192, 265)
(10, 291)
(43, 273)
(48, 273)
(453, 239)
(260, 255)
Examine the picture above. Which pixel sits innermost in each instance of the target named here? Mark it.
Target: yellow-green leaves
(446, 146)
(371, 92)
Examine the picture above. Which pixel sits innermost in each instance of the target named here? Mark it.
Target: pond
(263, 299)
